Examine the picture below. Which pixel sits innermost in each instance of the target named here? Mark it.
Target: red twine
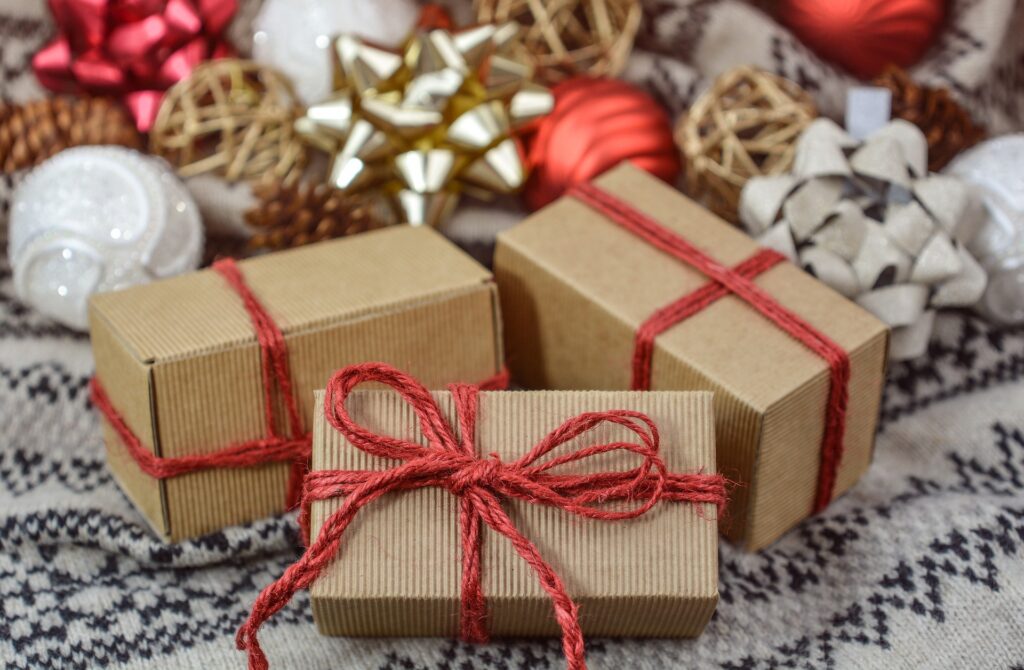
(480, 484)
(276, 447)
(725, 281)
(134, 48)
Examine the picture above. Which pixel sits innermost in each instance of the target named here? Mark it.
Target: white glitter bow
(867, 219)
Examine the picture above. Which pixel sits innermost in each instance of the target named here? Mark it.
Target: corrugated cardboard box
(575, 287)
(180, 361)
(399, 569)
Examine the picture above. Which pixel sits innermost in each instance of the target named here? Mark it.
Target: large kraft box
(180, 361)
(399, 568)
(575, 287)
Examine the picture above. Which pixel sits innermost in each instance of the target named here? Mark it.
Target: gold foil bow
(430, 121)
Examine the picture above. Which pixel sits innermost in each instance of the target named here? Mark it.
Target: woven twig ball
(232, 118)
(744, 126)
(570, 37)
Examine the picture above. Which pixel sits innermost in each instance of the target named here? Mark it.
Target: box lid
(303, 289)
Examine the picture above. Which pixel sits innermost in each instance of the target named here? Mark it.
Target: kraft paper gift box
(180, 362)
(576, 286)
(398, 569)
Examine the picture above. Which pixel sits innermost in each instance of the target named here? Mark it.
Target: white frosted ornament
(996, 169)
(295, 36)
(95, 219)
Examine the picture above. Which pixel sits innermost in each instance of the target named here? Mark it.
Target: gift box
(205, 381)
(400, 568)
(626, 283)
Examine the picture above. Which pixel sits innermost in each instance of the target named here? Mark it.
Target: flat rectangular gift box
(399, 568)
(180, 361)
(575, 288)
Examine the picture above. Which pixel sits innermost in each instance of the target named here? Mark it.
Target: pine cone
(291, 215)
(947, 125)
(32, 132)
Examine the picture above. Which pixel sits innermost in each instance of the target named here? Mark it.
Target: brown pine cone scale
(292, 215)
(946, 124)
(32, 132)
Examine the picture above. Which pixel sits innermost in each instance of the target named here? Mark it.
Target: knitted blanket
(920, 565)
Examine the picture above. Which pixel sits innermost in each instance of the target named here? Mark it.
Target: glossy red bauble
(596, 124)
(864, 36)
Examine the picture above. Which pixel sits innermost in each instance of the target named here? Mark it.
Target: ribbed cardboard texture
(180, 360)
(399, 569)
(575, 287)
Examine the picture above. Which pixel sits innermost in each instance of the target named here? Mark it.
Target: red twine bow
(451, 462)
(133, 48)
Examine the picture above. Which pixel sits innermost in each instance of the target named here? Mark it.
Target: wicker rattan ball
(232, 118)
(744, 126)
(570, 37)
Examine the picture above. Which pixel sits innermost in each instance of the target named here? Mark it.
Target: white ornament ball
(996, 169)
(294, 36)
(95, 219)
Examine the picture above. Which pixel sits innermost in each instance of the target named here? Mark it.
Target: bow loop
(435, 429)
(82, 20)
(585, 494)
(182, 19)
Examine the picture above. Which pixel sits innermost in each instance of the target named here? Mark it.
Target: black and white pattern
(683, 44)
(920, 565)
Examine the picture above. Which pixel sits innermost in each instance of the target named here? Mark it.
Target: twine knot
(480, 484)
(476, 472)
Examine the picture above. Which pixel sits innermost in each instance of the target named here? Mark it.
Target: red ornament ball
(864, 36)
(595, 125)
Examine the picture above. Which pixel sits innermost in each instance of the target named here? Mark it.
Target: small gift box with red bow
(626, 283)
(472, 513)
(205, 381)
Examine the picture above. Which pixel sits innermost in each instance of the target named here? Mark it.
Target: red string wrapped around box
(730, 281)
(277, 446)
(480, 484)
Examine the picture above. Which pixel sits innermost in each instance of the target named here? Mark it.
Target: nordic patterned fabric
(920, 566)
